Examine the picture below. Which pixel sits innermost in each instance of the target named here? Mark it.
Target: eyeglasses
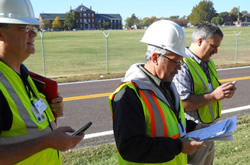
(29, 28)
(177, 63)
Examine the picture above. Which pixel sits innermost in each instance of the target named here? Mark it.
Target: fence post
(44, 68)
(106, 37)
(236, 49)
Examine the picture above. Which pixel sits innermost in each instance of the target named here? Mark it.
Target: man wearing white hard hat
(148, 117)
(28, 134)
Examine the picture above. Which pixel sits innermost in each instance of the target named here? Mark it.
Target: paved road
(88, 101)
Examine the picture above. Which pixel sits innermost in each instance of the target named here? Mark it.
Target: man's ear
(155, 57)
(199, 41)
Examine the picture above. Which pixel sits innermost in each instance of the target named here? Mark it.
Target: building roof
(52, 16)
(82, 8)
(108, 16)
(246, 15)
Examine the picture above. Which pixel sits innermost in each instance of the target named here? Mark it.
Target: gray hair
(206, 31)
(153, 49)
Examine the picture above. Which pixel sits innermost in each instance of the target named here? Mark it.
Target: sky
(141, 8)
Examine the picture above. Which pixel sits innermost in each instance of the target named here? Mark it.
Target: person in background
(28, 134)
(198, 85)
(148, 117)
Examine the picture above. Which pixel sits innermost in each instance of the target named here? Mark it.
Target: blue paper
(221, 129)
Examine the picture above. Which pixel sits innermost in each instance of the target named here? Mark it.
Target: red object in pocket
(46, 86)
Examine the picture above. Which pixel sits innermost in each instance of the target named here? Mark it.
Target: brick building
(87, 19)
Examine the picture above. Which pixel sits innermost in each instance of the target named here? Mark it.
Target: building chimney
(90, 7)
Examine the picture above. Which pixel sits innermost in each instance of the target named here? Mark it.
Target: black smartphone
(81, 130)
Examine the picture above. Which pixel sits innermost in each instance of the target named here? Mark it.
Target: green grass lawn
(234, 152)
(83, 53)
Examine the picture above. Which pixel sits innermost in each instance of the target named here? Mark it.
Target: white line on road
(106, 133)
(114, 79)
(236, 109)
(99, 134)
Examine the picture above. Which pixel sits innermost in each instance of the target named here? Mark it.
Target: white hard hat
(17, 12)
(167, 35)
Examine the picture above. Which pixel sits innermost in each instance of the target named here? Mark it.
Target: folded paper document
(219, 131)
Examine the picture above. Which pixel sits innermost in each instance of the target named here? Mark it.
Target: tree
(70, 21)
(227, 20)
(244, 12)
(148, 21)
(223, 14)
(234, 14)
(181, 21)
(56, 24)
(203, 12)
(46, 24)
(130, 21)
(217, 20)
(173, 17)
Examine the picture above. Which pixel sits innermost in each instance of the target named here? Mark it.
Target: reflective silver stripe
(205, 89)
(31, 127)
(21, 108)
(157, 115)
(25, 137)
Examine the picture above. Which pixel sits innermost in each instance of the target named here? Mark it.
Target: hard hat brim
(30, 21)
(179, 53)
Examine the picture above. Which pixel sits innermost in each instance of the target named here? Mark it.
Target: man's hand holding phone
(82, 130)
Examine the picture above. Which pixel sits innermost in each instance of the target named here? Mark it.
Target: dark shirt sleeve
(130, 132)
(5, 114)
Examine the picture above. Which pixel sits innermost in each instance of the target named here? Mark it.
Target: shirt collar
(156, 80)
(197, 59)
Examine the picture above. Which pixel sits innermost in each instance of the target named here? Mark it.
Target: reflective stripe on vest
(211, 111)
(32, 130)
(156, 120)
(156, 114)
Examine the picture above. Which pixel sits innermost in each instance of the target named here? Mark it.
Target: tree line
(203, 12)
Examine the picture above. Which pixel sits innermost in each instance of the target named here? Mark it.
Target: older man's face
(168, 66)
(19, 41)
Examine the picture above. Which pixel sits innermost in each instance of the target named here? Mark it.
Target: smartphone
(233, 83)
(82, 130)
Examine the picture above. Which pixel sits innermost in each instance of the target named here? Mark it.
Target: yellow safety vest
(160, 121)
(212, 111)
(25, 126)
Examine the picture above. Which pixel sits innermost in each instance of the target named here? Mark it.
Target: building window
(85, 15)
(93, 14)
(80, 14)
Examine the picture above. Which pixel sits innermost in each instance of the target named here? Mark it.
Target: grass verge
(226, 152)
